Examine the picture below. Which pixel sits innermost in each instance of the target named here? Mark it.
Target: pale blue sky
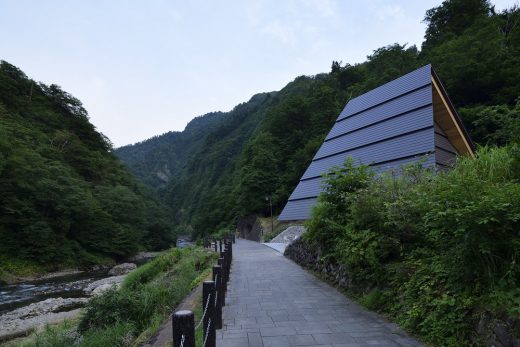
(142, 68)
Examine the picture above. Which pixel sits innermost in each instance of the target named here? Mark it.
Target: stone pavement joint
(273, 302)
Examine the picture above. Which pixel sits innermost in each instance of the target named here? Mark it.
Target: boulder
(105, 281)
(104, 287)
(25, 319)
(122, 269)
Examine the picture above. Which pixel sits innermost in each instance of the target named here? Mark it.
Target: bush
(434, 250)
(147, 296)
(110, 308)
(117, 335)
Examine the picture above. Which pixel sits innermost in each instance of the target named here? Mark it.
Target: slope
(64, 198)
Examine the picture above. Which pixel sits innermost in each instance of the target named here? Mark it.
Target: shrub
(146, 296)
(117, 335)
(112, 307)
(433, 250)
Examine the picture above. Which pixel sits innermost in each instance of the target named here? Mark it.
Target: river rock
(114, 280)
(104, 287)
(122, 269)
(143, 256)
(25, 319)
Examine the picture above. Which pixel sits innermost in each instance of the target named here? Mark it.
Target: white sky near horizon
(142, 68)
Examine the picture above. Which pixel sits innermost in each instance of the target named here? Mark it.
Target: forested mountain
(262, 147)
(152, 159)
(64, 197)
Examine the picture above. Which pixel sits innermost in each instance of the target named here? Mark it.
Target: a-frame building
(408, 119)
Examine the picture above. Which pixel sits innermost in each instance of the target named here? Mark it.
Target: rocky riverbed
(28, 305)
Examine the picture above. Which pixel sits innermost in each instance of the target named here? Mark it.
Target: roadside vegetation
(128, 316)
(435, 251)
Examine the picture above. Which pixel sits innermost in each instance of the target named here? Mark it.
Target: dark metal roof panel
(444, 143)
(400, 147)
(297, 210)
(439, 130)
(419, 98)
(313, 187)
(402, 85)
(405, 123)
(387, 126)
(444, 157)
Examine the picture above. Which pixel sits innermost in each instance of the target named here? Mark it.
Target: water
(13, 296)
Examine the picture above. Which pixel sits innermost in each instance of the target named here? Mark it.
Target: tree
(451, 18)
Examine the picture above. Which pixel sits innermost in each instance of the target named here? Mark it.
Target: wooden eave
(446, 117)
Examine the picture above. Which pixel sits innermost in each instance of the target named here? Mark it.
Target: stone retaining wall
(310, 257)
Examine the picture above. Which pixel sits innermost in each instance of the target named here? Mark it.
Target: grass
(12, 268)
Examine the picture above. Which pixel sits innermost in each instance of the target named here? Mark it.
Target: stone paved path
(272, 301)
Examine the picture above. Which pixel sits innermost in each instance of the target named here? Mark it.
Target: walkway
(272, 301)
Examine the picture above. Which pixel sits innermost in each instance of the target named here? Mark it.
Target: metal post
(215, 244)
(234, 237)
(220, 245)
(222, 281)
(217, 278)
(208, 305)
(222, 263)
(228, 256)
(183, 324)
(271, 205)
(230, 246)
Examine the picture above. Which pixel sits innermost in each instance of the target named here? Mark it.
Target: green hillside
(64, 197)
(263, 146)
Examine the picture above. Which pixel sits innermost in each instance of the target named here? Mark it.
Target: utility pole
(269, 198)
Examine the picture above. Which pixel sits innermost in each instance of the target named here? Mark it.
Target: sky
(143, 68)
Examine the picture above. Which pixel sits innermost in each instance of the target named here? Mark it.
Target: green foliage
(479, 66)
(64, 198)
(146, 297)
(148, 271)
(117, 335)
(330, 211)
(493, 125)
(452, 18)
(435, 249)
(58, 335)
(374, 300)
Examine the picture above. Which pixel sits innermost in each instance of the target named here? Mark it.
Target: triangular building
(408, 119)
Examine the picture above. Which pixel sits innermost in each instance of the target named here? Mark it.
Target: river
(13, 296)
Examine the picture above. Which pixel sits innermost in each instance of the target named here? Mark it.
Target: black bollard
(233, 237)
(220, 245)
(224, 268)
(228, 262)
(230, 246)
(219, 292)
(215, 244)
(220, 263)
(183, 324)
(208, 306)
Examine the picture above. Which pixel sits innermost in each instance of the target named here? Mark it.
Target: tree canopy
(64, 197)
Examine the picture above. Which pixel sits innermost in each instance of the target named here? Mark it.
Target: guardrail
(213, 298)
